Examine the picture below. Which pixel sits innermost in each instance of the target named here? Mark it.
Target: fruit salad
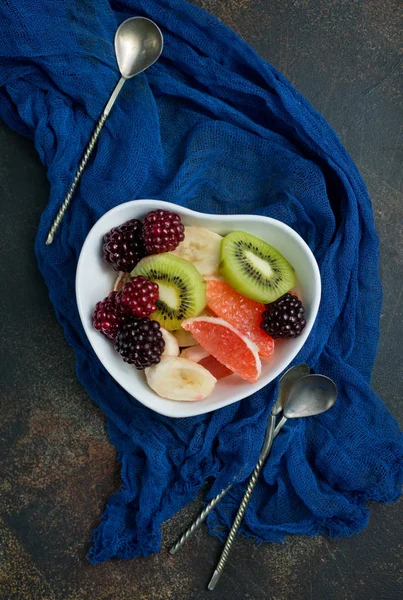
(190, 307)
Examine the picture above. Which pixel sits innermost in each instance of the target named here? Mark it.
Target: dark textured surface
(57, 467)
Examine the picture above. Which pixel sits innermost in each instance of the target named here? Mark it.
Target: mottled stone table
(57, 466)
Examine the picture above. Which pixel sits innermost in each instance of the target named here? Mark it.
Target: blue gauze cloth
(213, 127)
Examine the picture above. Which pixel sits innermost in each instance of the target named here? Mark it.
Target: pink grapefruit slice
(200, 355)
(218, 370)
(241, 312)
(228, 345)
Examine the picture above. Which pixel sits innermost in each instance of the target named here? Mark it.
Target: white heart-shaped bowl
(95, 279)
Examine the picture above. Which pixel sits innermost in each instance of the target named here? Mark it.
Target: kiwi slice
(254, 268)
(182, 288)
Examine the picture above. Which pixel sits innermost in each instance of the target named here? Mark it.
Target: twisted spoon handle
(207, 510)
(80, 170)
(200, 519)
(88, 151)
(244, 503)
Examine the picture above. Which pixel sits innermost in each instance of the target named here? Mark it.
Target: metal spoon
(308, 396)
(285, 383)
(138, 44)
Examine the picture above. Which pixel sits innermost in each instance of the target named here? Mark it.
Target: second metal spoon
(138, 44)
(308, 396)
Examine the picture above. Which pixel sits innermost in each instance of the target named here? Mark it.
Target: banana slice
(185, 338)
(180, 379)
(171, 343)
(202, 248)
(120, 281)
(195, 353)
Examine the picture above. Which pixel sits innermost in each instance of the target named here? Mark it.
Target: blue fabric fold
(213, 127)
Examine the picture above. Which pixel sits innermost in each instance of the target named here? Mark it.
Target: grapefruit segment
(217, 370)
(228, 345)
(200, 355)
(241, 312)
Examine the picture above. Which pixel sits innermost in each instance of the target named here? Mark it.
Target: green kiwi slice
(182, 288)
(254, 268)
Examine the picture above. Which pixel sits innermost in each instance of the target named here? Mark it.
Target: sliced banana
(202, 248)
(120, 281)
(171, 343)
(181, 379)
(185, 338)
(195, 353)
(214, 278)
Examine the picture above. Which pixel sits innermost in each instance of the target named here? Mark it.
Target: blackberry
(284, 318)
(162, 231)
(123, 246)
(140, 296)
(140, 343)
(108, 316)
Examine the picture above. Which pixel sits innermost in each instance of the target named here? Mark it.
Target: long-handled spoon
(308, 396)
(286, 381)
(138, 44)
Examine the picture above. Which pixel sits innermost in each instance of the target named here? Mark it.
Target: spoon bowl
(138, 44)
(310, 395)
(286, 381)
